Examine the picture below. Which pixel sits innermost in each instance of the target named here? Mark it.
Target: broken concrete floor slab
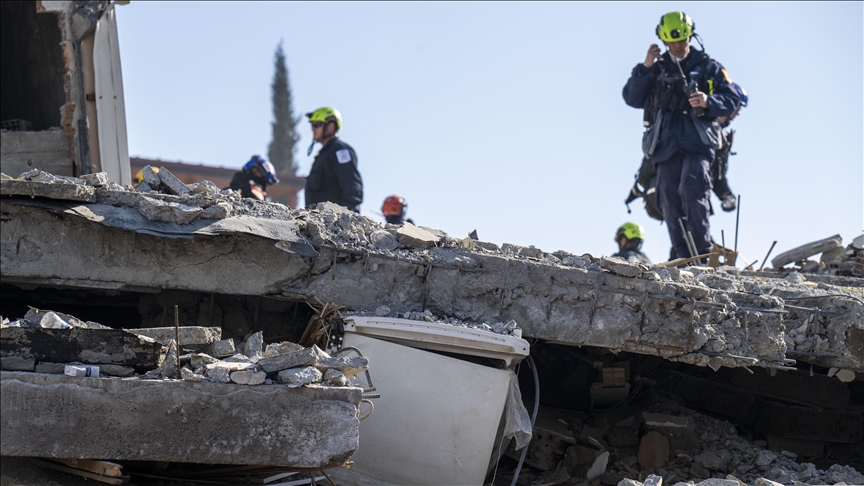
(697, 316)
(314, 427)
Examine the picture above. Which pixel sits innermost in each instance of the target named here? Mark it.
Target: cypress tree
(282, 146)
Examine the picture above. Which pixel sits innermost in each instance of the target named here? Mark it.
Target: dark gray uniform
(334, 177)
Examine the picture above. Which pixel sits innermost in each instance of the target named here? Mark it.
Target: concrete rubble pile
(699, 315)
(123, 369)
(677, 444)
(243, 266)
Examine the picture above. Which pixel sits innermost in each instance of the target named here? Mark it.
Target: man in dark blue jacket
(334, 176)
(682, 92)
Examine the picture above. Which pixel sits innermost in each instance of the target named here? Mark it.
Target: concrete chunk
(200, 360)
(254, 346)
(235, 366)
(50, 368)
(97, 346)
(350, 366)
(219, 375)
(414, 237)
(284, 347)
(189, 335)
(18, 363)
(280, 362)
(68, 192)
(171, 183)
(219, 349)
(150, 178)
(248, 377)
(156, 210)
(220, 210)
(98, 179)
(622, 267)
(299, 376)
(335, 377)
(208, 423)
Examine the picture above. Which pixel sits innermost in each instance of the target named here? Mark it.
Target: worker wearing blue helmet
(253, 179)
(720, 164)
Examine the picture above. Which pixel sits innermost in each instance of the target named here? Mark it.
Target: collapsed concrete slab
(147, 420)
(696, 315)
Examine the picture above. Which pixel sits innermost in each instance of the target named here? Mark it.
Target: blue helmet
(742, 95)
(264, 166)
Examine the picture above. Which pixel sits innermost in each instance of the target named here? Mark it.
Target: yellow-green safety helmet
(631, 231)
(675, 27)
(326, 114)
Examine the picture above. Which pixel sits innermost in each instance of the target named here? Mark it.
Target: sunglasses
(317, 125)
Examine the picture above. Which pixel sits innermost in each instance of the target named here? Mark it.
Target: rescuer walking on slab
(682, 91)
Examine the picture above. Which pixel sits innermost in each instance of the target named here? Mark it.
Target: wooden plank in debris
(84, 474)
(103, 468)
(92, 346)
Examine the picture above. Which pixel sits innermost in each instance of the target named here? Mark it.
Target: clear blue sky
(507, 117)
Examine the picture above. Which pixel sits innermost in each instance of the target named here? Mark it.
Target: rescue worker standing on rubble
(253, 179)
(334, 176)
(630, 237)
(682, 91)
(721, 161)
(393, 210)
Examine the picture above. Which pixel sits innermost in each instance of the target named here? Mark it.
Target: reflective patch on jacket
(343, 156)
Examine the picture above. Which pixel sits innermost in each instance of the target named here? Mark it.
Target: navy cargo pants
(683, 191)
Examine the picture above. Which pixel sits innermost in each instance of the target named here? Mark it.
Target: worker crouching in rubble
(682, 91)
(630, 237)
(253, 179)
(334, 176)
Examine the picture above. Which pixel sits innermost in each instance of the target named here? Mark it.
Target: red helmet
(393, 206)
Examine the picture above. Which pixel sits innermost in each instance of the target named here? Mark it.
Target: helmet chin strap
(309, 151)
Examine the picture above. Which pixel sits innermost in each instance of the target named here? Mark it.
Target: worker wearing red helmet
(394, 210)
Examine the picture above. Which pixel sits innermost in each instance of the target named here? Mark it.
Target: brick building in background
(285, 192)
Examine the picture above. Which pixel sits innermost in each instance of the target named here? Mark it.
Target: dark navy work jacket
(334, 176)
(677, 129)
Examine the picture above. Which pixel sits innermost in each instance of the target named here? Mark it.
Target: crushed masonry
(658, 368)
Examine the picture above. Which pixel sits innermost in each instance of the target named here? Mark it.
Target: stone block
(487, 246)
(18, 363)
(254, 346)
(208, 423)
(200, 360)
(681, 431)
(97, 179)
(116, 370)
(50, 368)
(156, 210)
(218, 374)
(305, 357)
(150, 178)
(189, 335)
(335, 377)
(66, 192)
(299, 376)
(350, 366)
(219, 349)
(715, 461)
(524, 251)
(248, 377)
(622, 267)
(96, 346)
(384, 240)
(414, 237)
(220, 210)
(284, 347)
(172, 184)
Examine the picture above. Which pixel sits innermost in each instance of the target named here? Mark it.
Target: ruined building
(174, 331)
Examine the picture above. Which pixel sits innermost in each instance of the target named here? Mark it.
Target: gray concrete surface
(177, 421)
(47, 150)
(695, 315)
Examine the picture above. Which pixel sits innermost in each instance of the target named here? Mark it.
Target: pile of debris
(834, 258)
(35, 342)
(678, 444)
